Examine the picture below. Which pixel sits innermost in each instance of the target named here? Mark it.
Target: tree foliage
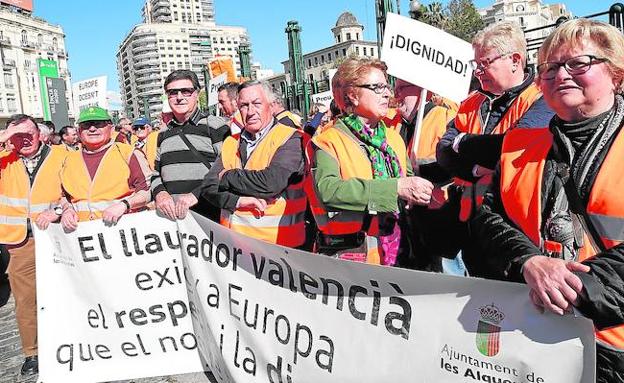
(459, 18)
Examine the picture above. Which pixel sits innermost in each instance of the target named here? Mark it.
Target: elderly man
(69, 138)
(30, 190)
(258, 179)
(186, 150)
(145, 139)
(472, 144)
(281, 114)
(105, 179)
(226, 95)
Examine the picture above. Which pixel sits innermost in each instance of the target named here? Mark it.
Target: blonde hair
(577, 33)
(504, 36)
(348, 75)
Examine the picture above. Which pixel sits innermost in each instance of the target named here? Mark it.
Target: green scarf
(384, 161)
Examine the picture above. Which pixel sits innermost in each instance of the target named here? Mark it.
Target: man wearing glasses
(186, 150)
(145, 139)
(105, 179)
(507, 98)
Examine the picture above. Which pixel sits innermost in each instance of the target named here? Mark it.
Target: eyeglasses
(186, 92)
(95, 124)
(483, 64)
(378, 88)
(140, 127)
(574, 66)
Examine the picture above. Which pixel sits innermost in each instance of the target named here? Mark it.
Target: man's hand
(255, 205)
(553, 285)
(69, 219)
(45, 218)
(111, 214)
(183, 203)
(165, 205)
(12, 130)
(415, 190)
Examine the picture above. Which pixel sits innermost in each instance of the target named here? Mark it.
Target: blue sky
(94, 29)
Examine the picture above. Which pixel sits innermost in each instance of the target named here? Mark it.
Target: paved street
(11, 356)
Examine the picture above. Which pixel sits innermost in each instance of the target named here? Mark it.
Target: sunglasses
(186, 92)
(95, 124)
(142, 127)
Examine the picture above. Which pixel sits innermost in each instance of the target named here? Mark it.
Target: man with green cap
(116, 180)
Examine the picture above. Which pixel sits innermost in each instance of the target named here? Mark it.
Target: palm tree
(434, 15)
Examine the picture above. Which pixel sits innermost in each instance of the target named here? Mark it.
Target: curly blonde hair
(577, 33)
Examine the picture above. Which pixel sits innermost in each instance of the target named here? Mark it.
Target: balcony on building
(28, 45)
(8, 64)
(5, 41)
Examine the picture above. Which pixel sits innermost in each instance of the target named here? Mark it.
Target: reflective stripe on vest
(282, 222)
(21, 200)
(353, 163)
(110, 183)
(468, 120)
(522, 164)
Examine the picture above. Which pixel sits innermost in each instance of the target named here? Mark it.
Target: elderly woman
(360, 170)
(556, 198)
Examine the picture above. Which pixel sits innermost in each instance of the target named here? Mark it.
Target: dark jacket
(484, 149)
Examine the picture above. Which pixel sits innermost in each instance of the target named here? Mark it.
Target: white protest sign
(213, 85)
(428, 57)
(90, 92)
(112, 302)
(322, 98)
(266, 313)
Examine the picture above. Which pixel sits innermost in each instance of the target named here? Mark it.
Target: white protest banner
(112, 302)
(90, 92)
(265, 313)
(322, 98)
(213, 85)
(428, 57)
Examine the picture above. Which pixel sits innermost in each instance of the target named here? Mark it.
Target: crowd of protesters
(519, 182)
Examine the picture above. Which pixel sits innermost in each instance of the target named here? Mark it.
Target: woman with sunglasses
(361, 171)
(555, 218)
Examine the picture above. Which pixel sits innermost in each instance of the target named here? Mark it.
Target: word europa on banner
(394, 312)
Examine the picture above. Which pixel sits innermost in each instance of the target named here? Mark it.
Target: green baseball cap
(94, 113)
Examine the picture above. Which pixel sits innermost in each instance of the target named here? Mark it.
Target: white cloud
(114, 100)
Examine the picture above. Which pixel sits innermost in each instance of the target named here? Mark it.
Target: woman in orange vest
(555, 217)
(361, 170)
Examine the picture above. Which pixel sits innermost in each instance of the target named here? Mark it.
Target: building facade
(529, 14)
(25, 40)
(176, 34)
(348, 36)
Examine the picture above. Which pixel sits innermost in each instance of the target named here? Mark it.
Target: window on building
(339, 39)
(40, 39)
(11, 105)
(8, 80)
(357, 51)
(364, 50)
(322, 59)
(329, 56)
(357, 36)
(315, 61)
(344, 51)
(311, 77)
(24, 36)
(309, 63)
(348, 36)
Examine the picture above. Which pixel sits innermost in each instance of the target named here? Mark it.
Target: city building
(30, 50)
(529, 14)
(176, 34)
(349, 40)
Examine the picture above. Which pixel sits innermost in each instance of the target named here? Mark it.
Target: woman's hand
(553, 285)
(415, 190)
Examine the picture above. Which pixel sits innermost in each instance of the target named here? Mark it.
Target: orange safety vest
(21, 200)
(468, 120)
(291, 116)
(283, 221)
(237, 121)
(90, 197)
(522, 166)
(149, 149)
(354, 163)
